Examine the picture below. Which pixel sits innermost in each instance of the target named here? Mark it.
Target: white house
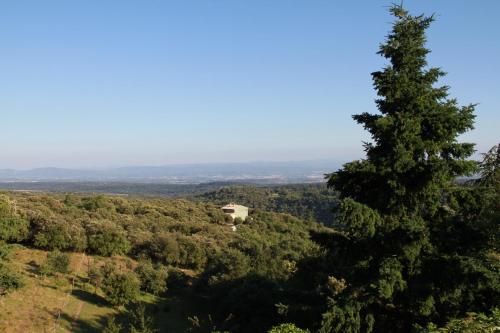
(235, 211)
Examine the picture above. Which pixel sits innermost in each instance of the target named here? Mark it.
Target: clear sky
(93, 83)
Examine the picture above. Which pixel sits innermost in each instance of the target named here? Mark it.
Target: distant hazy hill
(272, 172)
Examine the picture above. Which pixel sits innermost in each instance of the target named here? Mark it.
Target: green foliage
(415, 154)
(164, 247)
(9, 280)
(121, 288)
(140, 321)
(287, 328)
(13, 229)
(93, 204)
(205, 256)
(58, 234)
(413, 245)
(95, 276)
(153, 280)
(305, 201)
(192, 254)
(229, 264)
(360, 220)
(489, 168)
(6, 206)
(112, 326)
(56, 262)
(5, 251)
(107, 239)
(108, 268)
(473, 323)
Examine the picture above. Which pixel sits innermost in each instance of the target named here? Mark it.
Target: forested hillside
(188, 241)
(306, 201)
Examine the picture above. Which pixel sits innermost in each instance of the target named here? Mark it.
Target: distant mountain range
(267, 172)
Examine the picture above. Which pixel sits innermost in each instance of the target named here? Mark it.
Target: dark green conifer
(397, 203)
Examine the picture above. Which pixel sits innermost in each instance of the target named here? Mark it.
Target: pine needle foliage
(402, 207)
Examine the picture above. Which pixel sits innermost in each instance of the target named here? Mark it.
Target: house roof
(232, 205)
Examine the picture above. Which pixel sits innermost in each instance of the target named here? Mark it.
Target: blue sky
(116, 83)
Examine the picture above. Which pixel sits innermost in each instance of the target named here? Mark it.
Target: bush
(9, 280)
(13, 229)
(140, 321)
(59, 234)
(95, 276)
(107, 239)
(5, 251)
(153, 280)
(164, 247)
(111, 326)
(191, 252)
(287, 328)
(474, 323)
(227, 265)
(121, 288)
(6, 208)
(92, 204)
(57, 262)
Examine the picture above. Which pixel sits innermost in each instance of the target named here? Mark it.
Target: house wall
(240, 211)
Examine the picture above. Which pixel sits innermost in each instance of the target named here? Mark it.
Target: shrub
(9, 280)
(164, 247)
(191, 252)
(112, 326)
(59, 234)
(6, 208)
(57, 262)
(474, 323)
(121, 288)
(95, 276)
(5, 251)
(287, 328)
(226, 265)
(153, 280)
(139, 320)
(107, 239)
(94, 203)
(13, 229)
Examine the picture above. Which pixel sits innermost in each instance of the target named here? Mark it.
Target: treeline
(306, 201)
(179, 232)
(113, 187)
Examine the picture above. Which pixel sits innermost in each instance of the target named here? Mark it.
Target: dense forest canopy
(306, 201)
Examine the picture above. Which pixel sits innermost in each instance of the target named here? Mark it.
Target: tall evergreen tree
(391, 268)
